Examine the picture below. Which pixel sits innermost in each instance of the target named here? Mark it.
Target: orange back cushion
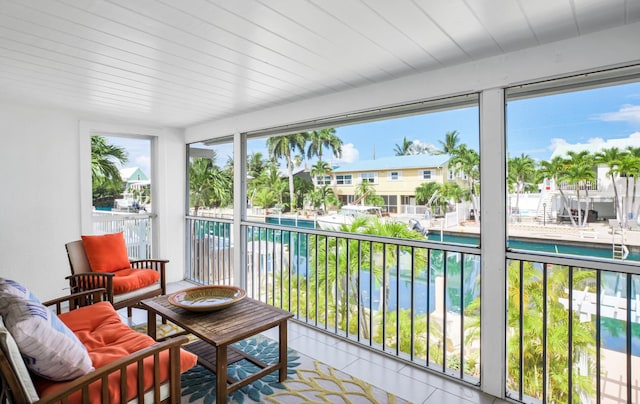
(106, 253)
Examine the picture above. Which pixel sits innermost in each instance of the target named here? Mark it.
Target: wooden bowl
(207, 298)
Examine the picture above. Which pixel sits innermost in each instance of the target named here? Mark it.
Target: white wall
(39, 201)
(40, 197)
(170, 197)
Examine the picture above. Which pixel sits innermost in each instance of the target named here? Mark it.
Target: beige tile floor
(408, 382)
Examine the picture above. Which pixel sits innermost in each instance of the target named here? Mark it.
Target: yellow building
(395, 178)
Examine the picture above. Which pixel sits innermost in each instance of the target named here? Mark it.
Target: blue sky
(535, 127)
(139, 151)
(381, 137)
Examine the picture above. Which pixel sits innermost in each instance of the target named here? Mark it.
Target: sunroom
(204, 78)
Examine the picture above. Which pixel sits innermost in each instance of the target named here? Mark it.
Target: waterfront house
(395, 179)
(132, 175)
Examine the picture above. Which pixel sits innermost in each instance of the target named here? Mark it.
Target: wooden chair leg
(129, 312)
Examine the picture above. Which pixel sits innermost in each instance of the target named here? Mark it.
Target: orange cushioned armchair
(102, 262)
(84, 355)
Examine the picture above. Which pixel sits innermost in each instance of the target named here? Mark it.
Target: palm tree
(366, 194)
(264, 197)
(270, 179)
(450, 143)
(333, 276)
(520, 171)
(579, 171)
(468, 161)
(451, 191)
(611, 158)
(255, 164)
(209, 185)
(425, 191)
(553, 170)
(336, 277)
(320, 169)
(385, 260)
(323, 138)
(282, 147)
(198, 181)
(540, 299)
(321, 196)
(303, 187)
(104, 157)
(404, 149)
(106, 184)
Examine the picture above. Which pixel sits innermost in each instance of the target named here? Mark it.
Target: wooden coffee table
(217, 330)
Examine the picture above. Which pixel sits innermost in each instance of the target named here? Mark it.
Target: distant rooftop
(395, 162)
(133, 174)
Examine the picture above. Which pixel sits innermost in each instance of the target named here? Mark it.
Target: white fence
(135, 226)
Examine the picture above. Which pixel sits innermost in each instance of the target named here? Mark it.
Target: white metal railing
(573, 318)
(209, 251)
(585, 186)
(571, 324)
(415, 210)
(417, 301)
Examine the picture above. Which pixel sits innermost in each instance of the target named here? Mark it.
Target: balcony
(563, 313)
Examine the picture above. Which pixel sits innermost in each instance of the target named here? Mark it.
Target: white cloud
(634, 135)
(556, 142)
(423, 147)
(627, 113)
(144, 162)
(595, 140)
(349, 154)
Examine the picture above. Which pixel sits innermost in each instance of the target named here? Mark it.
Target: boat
(136, 202)
(347, 214)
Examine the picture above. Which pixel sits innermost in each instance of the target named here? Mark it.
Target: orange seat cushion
(107, 339)
(130, 279)
(107, 252)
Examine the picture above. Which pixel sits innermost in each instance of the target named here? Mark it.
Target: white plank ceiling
(177, 63)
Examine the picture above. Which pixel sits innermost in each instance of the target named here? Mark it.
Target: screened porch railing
(573, 330)
(413, 300)
(570, 337)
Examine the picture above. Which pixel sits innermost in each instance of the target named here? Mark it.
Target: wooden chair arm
(92, 280)
(79, 299)
(149, 261)
(82, 383)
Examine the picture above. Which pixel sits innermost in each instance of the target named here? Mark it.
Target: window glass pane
(121, 190)
(573, 160)
(426, 175)
(121, 168)
(210, 179)
(572, 168)
(398, 165)
(368, 177)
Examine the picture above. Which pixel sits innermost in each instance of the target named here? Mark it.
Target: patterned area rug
(308, 381)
